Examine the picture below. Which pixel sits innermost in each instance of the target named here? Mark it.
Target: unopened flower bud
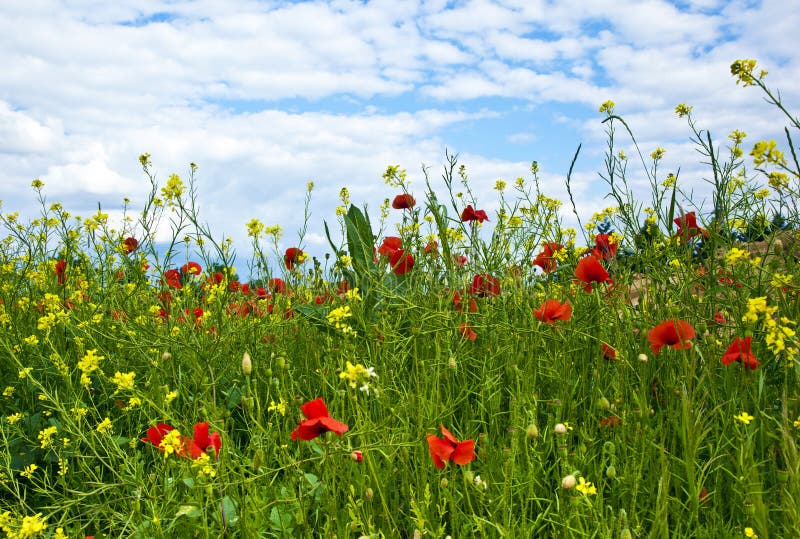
(603, 403)
(357, 456)
(611, 472)
(368, 494)
(625, 534)
(532, 431)
(166, 356)
(560, 428)
(568, 482)
(247, 364)
(643, 358)
(443, 483)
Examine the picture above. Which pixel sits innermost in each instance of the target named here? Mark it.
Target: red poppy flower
(431, 248)
(609, 352)
(458, 303)
(292, 256)
(674, 333)
(604, 249)
(485, 286)
(687, 227)
(719, 318)
(552, 310)
(191, 268)
(467, 332)
(61, 267)
(403, 202)
(318, 421)
(277, 285)
(129, 245)
(202, 440)
(739, 351)
(401, 261)
(172, 278)
(470, 214)
(460, 260)
(545, 259)
(610, 421)
(449, 449)
(589, 270)
(156, 434)
(357, 456)
(390, 243)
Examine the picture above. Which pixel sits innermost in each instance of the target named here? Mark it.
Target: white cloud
(264, 100)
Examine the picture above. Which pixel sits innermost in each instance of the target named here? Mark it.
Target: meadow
(462, 374)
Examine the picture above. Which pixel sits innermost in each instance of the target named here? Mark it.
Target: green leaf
(282, 520)
(190, 511)
(229, 515)
(360, 241)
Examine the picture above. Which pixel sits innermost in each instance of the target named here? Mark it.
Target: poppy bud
(258, 460)
(625, 534)
(166, 356)
(247, 364)
(357, 456)
(643, 358)
(532, 431)
(603, 403)
(611, 472)
(369, 494)
(560, 428)
(443, 483)
(568, 482)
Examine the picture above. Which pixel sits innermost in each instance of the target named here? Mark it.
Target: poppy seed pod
(568, 482)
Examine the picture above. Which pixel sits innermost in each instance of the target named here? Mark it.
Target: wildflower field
(465, 374)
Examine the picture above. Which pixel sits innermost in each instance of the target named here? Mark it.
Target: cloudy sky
(267, 95)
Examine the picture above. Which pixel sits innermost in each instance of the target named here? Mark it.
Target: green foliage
(581, 425)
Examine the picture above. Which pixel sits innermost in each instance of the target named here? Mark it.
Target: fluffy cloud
(266, 96)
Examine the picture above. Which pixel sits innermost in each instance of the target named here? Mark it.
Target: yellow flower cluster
(585, 487)
(87, 365)
(766, 151)
(777, 331)
(105, 426)
(734, 255)
(174, 188)
(45, 436)
(279, 406)
(743, 71)
(607, 107)
(171, 443)
(255, 228)
(124, 381)
(682, 109)
(356, 373)
(336, 318)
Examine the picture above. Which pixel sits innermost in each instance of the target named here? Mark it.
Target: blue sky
(265, 96)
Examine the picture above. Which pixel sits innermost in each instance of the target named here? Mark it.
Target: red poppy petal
(201, 434)
(440, 450)
(330, 424)
(314, 409)
(464, 452)
(448, 435)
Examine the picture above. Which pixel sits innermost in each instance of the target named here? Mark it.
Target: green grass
(568, 441)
